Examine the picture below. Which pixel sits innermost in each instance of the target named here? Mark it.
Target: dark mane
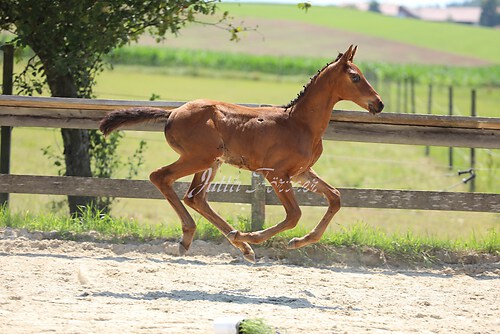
(311, 80)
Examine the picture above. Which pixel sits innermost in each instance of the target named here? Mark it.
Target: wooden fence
(412, 129)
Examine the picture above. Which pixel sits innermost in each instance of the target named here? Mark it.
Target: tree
(467, 3)
(489, 16)
(70, 38)
(374, 7)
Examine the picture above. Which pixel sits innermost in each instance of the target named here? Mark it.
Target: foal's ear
(353, 53)
(347, 56)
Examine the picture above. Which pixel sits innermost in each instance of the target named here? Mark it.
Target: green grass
(363, 235)
(209, 63)
(76, 228)
(132, 82)
(98, 227)
(203, 59)
(464, 40)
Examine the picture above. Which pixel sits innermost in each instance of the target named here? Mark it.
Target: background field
(322, 32)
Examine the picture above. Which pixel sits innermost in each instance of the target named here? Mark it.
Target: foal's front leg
(163, 178)
(196, 198)
(282, 186)
(312, 182)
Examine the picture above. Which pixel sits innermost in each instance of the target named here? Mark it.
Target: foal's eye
(355, 77)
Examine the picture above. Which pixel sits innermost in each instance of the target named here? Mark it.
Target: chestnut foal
(283, 143)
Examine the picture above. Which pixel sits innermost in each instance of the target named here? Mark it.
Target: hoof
(250, 257)
(231, 236)
(182, 250)
(293, 244)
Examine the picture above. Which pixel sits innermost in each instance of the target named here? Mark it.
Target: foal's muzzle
(376, 107)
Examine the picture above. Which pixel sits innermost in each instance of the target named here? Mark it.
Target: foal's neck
(315, 106)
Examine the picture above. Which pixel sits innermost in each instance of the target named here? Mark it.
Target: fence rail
(231, 193)
(410, 129)
(478, 132)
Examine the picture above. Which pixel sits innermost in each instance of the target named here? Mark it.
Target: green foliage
(56, 159)
(30, 80)
(489, 13)
(166, 57)
(255, 326)
(105, 162)
(202, 60)
(69, 40)
(103, 153)
(135, 161)
(374, 7)
(304, 6)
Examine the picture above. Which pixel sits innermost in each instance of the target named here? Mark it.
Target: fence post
(472, 184)
(258, 201)
(412, 95)
(405, 96)
(398, 96)
(450, 112)
(6, 131)
(429, 112)
(388, 95)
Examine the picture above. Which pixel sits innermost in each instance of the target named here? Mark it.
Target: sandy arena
(50, 285)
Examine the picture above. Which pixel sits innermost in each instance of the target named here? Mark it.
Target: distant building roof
(467, 15)
(386, 9)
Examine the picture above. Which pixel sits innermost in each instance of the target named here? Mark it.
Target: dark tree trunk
(76, 142)
(76, 156)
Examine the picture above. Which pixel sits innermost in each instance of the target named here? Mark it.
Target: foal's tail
(117, 119)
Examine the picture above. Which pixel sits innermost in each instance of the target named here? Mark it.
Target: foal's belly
(285, 162)
(236, 161)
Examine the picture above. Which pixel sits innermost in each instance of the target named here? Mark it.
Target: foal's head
(353, 86)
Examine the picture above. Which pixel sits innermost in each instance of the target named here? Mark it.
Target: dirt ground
(51, 285)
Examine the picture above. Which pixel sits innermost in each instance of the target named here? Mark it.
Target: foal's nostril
(380, 106)
(376, 106)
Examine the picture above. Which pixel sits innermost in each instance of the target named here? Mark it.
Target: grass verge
(210, 63)
(89, 223)
(100, 227)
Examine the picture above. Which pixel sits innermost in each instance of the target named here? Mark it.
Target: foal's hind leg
(196, 197)
(163, 178)
(283, 189)
(312, 182)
